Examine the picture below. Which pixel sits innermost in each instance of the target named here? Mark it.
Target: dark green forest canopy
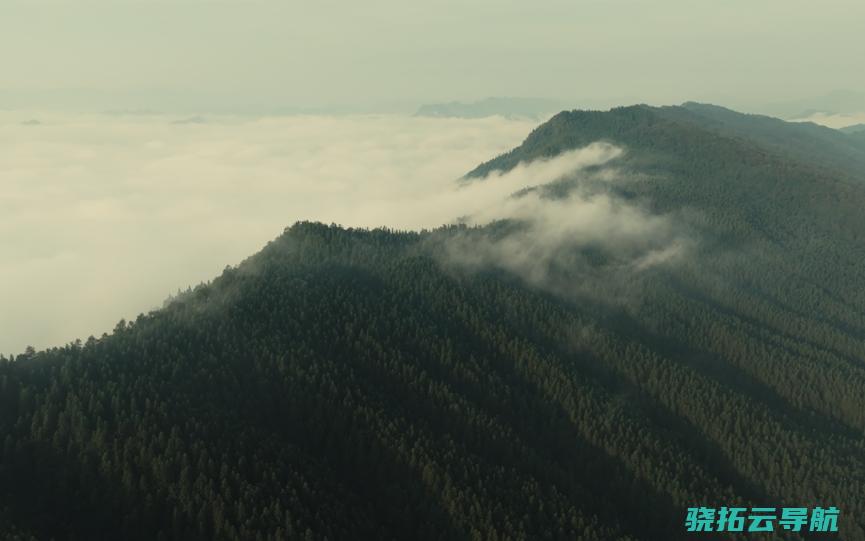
(856, 128)
(355, 384)
(659, 129)
(859, 139)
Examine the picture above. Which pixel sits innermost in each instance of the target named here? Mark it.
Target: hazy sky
(271, 54)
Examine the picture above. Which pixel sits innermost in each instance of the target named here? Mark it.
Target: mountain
(800, 140)
(835, 102)
(507, 107)
(856, 128)
(449, 384)
(797, 142)
(191, 120)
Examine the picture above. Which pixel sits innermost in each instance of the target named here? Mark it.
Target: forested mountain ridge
(856, 128)
(354, 384)
(797, 141)
(859, 138)
(804, 141)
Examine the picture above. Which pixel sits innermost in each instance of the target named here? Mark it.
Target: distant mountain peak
(509, 107)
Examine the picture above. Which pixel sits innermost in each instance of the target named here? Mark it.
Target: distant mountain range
(376, 384)
(191, 120)
(535, 108)
(835, 102)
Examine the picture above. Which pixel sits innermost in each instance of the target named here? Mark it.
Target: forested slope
(797, 140)
(352, 384)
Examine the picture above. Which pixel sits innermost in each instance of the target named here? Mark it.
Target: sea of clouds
(834, 120)
(103, 216)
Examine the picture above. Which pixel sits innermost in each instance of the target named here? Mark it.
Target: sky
(391, 55)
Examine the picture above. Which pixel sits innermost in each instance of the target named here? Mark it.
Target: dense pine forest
(364, 384)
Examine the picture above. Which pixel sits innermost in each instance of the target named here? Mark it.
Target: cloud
(835, 120)
(566, 230)
(103, 216)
